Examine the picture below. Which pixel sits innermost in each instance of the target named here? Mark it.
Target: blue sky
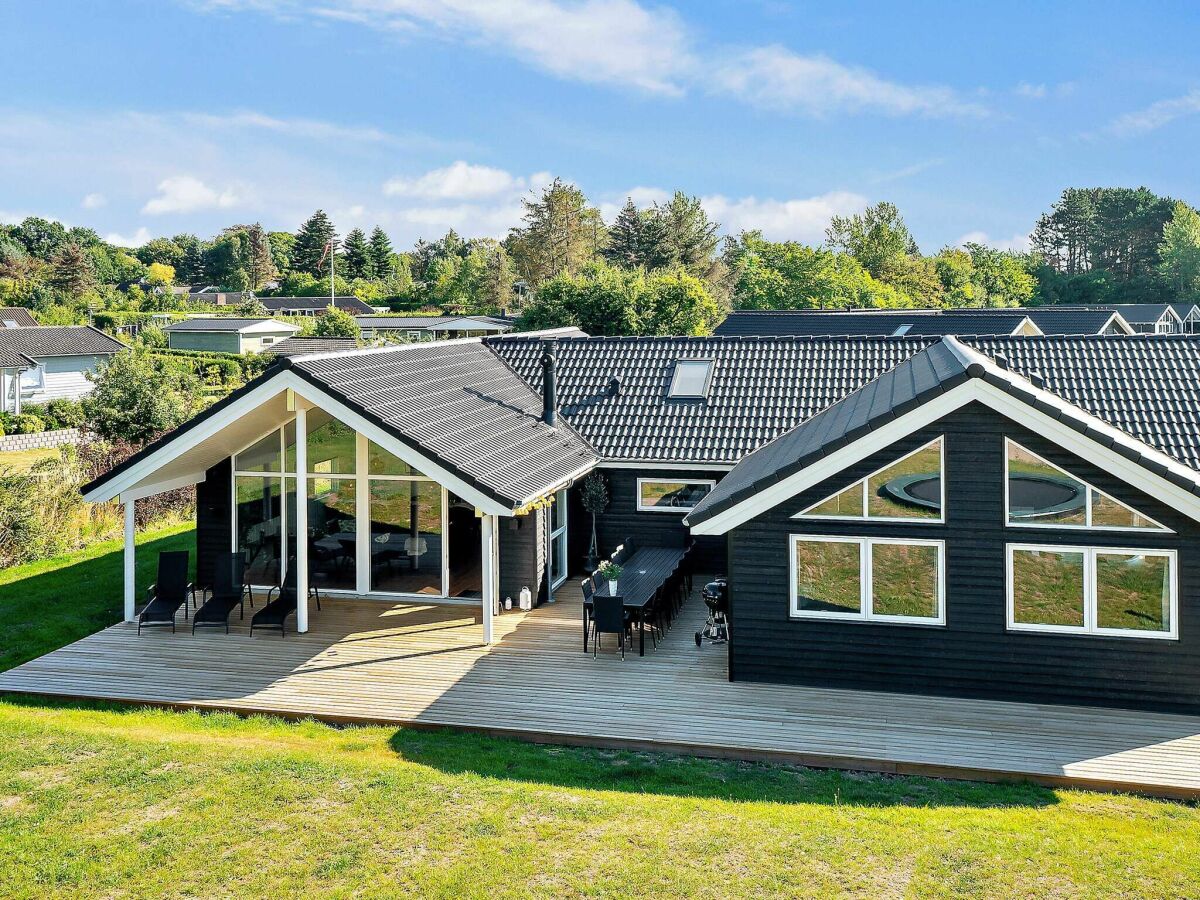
(155, 117)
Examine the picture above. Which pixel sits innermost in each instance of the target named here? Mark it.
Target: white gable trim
(975, 389)
(130, 481)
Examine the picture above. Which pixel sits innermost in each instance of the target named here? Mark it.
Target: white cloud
(93, 201)
(793, 220)
(186, 193)
(458, 181)
(626, 43)
(776, 78)
(1156, 115)
(907, 171)
(138, 238)
(1031, 91)
(1018, 243)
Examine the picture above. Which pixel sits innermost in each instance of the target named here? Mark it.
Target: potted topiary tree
(594, 496)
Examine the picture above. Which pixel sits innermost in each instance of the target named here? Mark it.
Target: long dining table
(641, 576)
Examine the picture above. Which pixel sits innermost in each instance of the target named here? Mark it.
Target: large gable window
(872, 579)
(690, 379)
(910, 489)
(1039, 493)
(1092, 590)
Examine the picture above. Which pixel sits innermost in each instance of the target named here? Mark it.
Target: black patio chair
(229, 589)
(274, 614)
(609, 617)
(169, 592)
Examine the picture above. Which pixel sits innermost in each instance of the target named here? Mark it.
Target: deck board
(426, 665)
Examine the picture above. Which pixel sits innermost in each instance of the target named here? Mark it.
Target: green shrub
(65, 413)
(27, 423)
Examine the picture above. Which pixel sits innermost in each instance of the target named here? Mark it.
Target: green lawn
(24, 460)
(107, 801)
(47, 604)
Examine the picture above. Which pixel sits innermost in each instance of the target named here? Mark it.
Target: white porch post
(130, 569)
(301, 518)
(488, 549)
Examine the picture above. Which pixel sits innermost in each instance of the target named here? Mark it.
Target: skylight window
(903, 329)
(691, 378)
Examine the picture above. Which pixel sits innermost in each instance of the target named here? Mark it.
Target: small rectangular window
(663, 495)
(874, 579)
(691, 378)
(1092, 590)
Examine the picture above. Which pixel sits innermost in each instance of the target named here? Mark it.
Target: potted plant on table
(594, 496)
(610, 572)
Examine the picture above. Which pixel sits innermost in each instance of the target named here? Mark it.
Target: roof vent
(613, 388)
(549, 383)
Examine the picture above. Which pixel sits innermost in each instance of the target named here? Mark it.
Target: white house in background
(50, 363)
(1190, 314)
(228, 335)
(430, 328)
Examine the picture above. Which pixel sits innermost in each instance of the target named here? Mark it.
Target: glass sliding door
(258, 526)
(558, 539)
(407, 536)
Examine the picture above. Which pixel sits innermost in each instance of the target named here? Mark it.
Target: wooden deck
(426, 665)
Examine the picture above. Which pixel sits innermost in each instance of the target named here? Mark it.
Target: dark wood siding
(973, 654)
(214, 518)
(622, 520)
(522, 556)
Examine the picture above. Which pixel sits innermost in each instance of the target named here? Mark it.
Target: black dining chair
(609, 617)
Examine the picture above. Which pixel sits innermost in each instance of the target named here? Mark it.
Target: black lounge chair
(229, 590)
(168, 593)
(274, 614)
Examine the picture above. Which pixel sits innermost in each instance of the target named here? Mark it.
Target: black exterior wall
(214, 517)
(523, 556)
(972, 654)
(622, 520)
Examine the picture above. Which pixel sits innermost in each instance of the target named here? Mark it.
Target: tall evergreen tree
(356, 253)
(637, 238)
(381, 253)
(561, 233)
(311, 241)
(686, 236)
(260, 264)
(72, 270)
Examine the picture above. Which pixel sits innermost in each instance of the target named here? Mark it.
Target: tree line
(662, 268)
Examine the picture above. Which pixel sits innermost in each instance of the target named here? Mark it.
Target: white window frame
(862, 486)
(1090, 597)
(559, 541)
(708, 375)
(677, 510)
(865, 577)
(362, 515)
(1155, 526)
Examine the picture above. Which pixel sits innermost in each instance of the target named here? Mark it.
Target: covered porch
(369, 478)
(429, 666)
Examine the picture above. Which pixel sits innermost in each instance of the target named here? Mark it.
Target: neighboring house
(50, 362)
(1145, 318)
(925, 322)
(1003, 517)
(301, 346)
(430, 328)
(228, 335)
(16, 317)
(314, 306)
(1189, 314)
(216, 296)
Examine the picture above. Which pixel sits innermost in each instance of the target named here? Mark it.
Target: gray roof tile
(59, 340)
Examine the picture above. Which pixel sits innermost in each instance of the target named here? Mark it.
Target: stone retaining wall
(44, 439)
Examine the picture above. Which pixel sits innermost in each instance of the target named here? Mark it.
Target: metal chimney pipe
(549, 382)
